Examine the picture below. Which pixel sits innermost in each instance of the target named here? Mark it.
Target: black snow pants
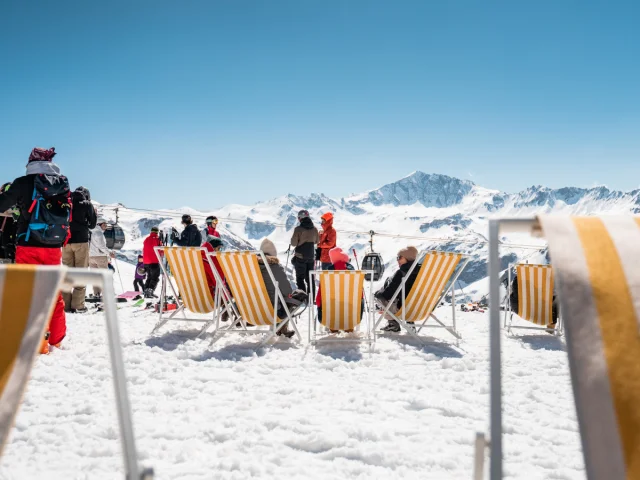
(302, 268)
(153, 275)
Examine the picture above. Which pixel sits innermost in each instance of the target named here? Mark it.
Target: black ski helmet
(186, 219)
(303, 214)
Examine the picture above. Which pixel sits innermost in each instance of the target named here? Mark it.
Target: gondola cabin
(373, 261)
(114, 235)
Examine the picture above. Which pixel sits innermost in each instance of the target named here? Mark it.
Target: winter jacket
(336, 266)
(20, 194)
(211, 278)
(305, 237)
(327, 241)
(141, 272)
(148, 252)
(279, 274)
(98, 245)
(190, 237)
(8, 238)
(206, 231)
(392, 284)
(83, 218)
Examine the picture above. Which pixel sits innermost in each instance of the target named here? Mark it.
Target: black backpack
(50, 211)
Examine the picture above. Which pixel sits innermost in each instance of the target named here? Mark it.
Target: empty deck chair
(192, 292)
(535, 298)
(595, 260)
(342, 304)
(251, 304)
(27, 297)
(436, 278)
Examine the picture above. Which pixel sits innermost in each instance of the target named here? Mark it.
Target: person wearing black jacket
(76, 252)
(406, 258)
(304, 239)
(190, 236)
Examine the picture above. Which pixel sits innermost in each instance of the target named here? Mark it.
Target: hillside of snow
(290, 411)
(434, 211)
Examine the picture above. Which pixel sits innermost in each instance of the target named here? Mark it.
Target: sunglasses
(398, 257)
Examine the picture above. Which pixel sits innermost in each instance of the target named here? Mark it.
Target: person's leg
(326, 265)
(154, 276)
(81, 260)
(300, 268)
(137, 281)
(311, 288)
(67, 261)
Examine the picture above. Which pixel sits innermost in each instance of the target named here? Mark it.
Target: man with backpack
(190, 236)
(44, 200)
(151, 262)
(99, 254)
(304, 239)
(76, 252)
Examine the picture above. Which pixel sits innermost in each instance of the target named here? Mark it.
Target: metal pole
(115, 260)
(494, 352)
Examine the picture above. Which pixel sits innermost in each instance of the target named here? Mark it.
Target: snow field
(292, 411)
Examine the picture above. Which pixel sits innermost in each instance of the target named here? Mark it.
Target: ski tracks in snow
(403, 411)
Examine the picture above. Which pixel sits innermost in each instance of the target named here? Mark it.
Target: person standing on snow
(140, 275)
(99, 254)
(304, 239)
(210, 228)
(190, 236)
(151, 263)
(328, 239)
(76, 252)
(43, 186)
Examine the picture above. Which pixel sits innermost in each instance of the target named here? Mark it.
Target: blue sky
(166, 104)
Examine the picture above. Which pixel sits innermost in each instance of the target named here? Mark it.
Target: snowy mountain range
(435, 211)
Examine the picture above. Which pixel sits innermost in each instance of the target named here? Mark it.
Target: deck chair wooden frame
(595, 261)
(186, 265)
(248, 302)
(439, 272)
(27, 296)
(342, 300)
(535, 298)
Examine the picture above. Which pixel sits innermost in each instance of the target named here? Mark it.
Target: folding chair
(251, 304)
(535, 298)
(435, 279)
(342, 303)
(27, 297)
(595, 260)
(187, 269)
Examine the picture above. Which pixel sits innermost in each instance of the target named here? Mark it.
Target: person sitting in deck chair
(406, 258)
(211, 245)
(271, 254)
(339, 261)
(514, 300)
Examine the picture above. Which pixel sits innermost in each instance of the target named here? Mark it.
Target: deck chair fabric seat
(535, 295)
(251, 302)
(436, 277)
(342, 302)
(28, 294)
(192, 294)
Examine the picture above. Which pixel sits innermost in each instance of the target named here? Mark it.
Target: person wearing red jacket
(210, 229)
(33, 249)
(213, 244)
(328, 239)
(151, 263)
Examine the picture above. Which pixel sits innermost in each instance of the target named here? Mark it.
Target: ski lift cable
(351, 232)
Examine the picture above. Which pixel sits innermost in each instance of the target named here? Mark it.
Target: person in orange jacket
(328, 239)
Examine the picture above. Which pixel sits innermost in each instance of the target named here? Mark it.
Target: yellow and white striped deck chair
(27, 297)
(435, 279)
(342, 303)
(252, 303)
(535, 297)
(595, 262)
(187, 269)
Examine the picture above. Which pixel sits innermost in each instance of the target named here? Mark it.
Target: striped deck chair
(251, 304)
(436, 278)
(27, 297)
(595, 260)
(192, 294)
(342, 304)
(535, 297)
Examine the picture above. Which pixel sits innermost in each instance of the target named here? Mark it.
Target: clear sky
(158, 103)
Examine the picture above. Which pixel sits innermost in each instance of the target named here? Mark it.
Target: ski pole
(356, 257)
(115, 260)
(288, 253)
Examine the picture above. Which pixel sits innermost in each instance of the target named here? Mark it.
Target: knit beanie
(410, 253)
(268, 248)
(42, 155)
(337, 255)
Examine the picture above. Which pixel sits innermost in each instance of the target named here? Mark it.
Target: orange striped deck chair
(535, 297)
(342, 304)
(436, 278)
(251, 303)
(27, 297)
(192, 292)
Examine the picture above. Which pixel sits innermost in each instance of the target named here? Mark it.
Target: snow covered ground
(401, 411)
